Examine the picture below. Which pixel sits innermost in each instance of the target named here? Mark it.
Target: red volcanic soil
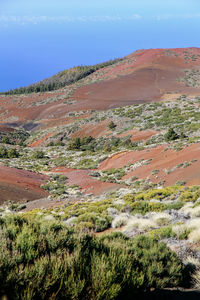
(162, 160)
(23, 109)
(4, 128)
(20, 185)
(150, 75)
(39, 142)
(94, 130)
(53, 122)
(137, 135)
(144, 76)
(88, 184)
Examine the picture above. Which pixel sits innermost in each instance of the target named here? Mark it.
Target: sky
(39, 38)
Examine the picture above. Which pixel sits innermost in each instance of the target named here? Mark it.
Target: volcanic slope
(144, 76)
(66, 135)
(20, 185)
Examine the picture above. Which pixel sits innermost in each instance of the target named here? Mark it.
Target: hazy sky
(41, 37)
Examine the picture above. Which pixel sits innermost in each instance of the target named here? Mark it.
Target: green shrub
(8, 153)
(38, 154)
(171, 135)
(111, 125)
(47, 260)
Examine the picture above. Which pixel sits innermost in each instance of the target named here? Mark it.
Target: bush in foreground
(47, 260)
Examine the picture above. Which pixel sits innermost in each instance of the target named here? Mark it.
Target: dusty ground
(137, 135)
(88, 184)
(151, 75)
(94, 130)
(161, 159)
(20, 185)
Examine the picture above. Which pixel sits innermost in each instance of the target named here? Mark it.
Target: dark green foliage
(93, 221)
(112, 125)
(8, 153)
(46, 260)
(62, 79)
(171, 135)
(75, 144)
(93, 145)
(38, 154)
(17, 137)
(5, 140)
(83, 144)
(58, 143)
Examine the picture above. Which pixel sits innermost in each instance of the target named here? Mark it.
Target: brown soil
(4, 128)
(162, 160)
(20, 185)
(94, 130)
(137, 135)
(40, 141)
(88, 184)
(150, 77)
(144, 76)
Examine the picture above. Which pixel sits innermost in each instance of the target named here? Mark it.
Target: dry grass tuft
(120, 220)
(140, 224)
(194, 236)
(161, 219)
(179, 230)
(193, 223)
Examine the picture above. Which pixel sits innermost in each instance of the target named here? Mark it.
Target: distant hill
(143, 76)
(61, 79)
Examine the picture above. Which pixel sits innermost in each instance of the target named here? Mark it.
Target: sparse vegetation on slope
(116, 187)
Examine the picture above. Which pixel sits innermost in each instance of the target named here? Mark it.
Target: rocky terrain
(117, 150)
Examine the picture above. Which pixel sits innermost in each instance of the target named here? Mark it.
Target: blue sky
(41, 37)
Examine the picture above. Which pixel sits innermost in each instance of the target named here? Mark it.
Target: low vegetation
(47, 260)
(112, 245)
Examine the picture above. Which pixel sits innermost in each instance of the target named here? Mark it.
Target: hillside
(144, 76)
(117, 151)
(61, 79)
(120, 91)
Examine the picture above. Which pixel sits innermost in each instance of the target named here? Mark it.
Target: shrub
(171, 135)
(111, 125)
(120, 220)
(50, 261)
(38, 154)
(8, 153)
(181, 231)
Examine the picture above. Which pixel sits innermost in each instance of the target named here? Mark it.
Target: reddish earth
(62, 121)
(20, 185)
(88, 184)
(137, 135)
(144, 76)
(94, 130)
(161, 159)
(46, 203)
(4, 128)
(40, 141)
(150, 76)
